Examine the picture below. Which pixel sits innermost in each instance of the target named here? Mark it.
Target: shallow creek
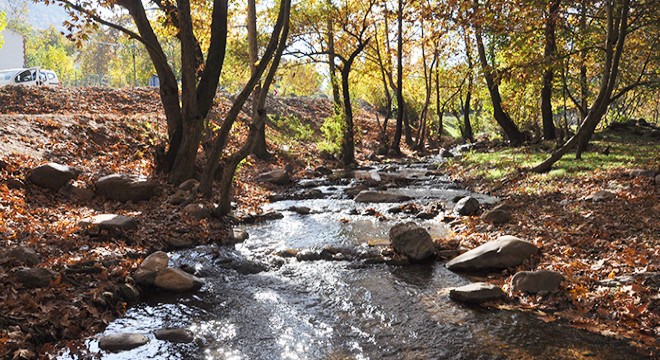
(329, 309)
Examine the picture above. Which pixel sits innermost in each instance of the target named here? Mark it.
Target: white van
(31, 76)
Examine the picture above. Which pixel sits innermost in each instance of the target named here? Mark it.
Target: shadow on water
(334, 309)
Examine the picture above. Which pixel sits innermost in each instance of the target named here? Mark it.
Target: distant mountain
(39, 15)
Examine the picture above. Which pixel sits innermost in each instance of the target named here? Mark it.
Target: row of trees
(523, 62)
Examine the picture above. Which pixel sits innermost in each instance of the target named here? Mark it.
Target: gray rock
(52, 176)
(641, 173)
(600, 196)
(151, 265)
(181, 197)
(412, 241)
(129, 292)
(323, 171)
(123, 187)
(14, 184)
(507, 251)
(197, 211)
(175, 335)
(657, 180)
(121, 342)
(380, 197)
(536, 281)
(467, 206)
(354, 190)
(504, 206)
(23, 255)
(180, 242)
(477, 293)
(35, 277)
(238, 235)
(277, 177)
(177, 280)
(427, 215)
(497, 216)
(302, 210)
(446, 154)
(110, 222)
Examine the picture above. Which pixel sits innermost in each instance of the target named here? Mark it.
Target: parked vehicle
(31, 76)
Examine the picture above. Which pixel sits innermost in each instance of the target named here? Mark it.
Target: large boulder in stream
(124, 187)
(151, 265)
(52, 176)
(505, 252)
(380, 197)
(412, 241)
(177, 280)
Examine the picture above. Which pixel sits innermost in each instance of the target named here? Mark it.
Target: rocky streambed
(321, 281)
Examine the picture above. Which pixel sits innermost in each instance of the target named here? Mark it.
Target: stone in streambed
(35, 277)
(411, 240)
(497, 216)
(124, 187)
(110, 222)
(23, 255)
(505, 252)
(122, 341)
(151, 265)
(536, 281)
(467, 206)
(276, 177)
(600, 196)
(380, 197)
(175, 335)
(177, 280)
(477, 293)
(52, 176)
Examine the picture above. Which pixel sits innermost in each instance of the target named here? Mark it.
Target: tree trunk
(348, 142)
(336, 96)
(550, 53)
(617, 28)
(273, 52)
(396, 142)
(584, 87)
(503, 119)
(467, 126)
(259, 148)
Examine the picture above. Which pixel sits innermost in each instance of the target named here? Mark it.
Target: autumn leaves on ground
(606, 249)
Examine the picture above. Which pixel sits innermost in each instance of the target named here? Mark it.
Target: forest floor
(608, 250)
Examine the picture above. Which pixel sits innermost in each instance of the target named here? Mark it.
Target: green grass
(626, 151)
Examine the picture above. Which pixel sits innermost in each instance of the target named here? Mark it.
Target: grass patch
(625, 151)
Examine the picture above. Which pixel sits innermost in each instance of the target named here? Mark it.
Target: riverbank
(607, 246)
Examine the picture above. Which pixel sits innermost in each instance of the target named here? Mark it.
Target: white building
(12, 51)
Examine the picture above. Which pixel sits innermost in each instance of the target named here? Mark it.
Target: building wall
(12, 52)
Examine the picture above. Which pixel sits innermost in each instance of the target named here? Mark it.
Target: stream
(260, 303)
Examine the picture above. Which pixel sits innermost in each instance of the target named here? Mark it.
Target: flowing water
(257, 304)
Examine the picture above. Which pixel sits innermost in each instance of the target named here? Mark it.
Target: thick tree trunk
(332, 67)
(396, 142)
(467, 126)
(348, 142)
(503, 119)
(584, 86)
(550, 53)
(259, 148)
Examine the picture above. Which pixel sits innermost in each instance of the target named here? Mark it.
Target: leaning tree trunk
(550, 54)
(617, 28)
(503, 119)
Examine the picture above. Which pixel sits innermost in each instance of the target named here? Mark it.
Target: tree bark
(511, 131)
(336, 96)
(259, 148)
(617, 28)
(396, 142)
(550, 54)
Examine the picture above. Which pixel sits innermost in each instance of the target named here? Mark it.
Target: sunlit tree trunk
(550, 54)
